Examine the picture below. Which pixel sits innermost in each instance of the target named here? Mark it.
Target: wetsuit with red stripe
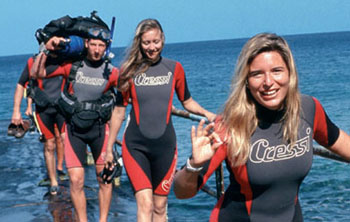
(149, 146)
(90, 83)
(47, 116)
(266, 187)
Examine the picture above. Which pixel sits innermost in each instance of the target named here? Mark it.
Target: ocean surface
(323, 62)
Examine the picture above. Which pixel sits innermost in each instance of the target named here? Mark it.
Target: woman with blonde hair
(265, 134)
(149, 145)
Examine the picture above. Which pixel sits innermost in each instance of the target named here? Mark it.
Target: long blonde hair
(135, 61)
(239, 119)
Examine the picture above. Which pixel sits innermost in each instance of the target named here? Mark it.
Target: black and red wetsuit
(47, 116)
(149, 145)
(266, 187)
(90, 83)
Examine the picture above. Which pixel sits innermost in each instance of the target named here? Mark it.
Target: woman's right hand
(204, 143)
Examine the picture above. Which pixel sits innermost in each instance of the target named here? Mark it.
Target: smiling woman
(268, 80)
(152, 44)
(265, 134)
(149, 146)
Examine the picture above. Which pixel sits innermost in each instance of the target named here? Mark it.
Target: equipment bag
(67, 26)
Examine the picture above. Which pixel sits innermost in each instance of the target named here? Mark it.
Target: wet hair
(135, 61)
(239, 118)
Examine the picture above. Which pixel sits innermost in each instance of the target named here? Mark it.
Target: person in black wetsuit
(89, 80)
(265, 134)
(46, 114)
(149, 146)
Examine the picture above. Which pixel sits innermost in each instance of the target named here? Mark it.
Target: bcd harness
(80, 114)
(40, 98)
(84, 114)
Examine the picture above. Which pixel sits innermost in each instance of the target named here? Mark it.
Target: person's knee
(144, 199)
(50, 145)
(77, 182)
(146, 205)
(159, 208)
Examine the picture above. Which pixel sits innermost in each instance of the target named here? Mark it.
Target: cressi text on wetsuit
(266, 187)
(149, 146)
(90, 84)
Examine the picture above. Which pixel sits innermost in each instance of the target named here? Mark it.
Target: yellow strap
(36, 122)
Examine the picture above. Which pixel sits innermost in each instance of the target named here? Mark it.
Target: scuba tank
(73, 46)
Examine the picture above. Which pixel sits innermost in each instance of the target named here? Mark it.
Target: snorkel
(109, 55)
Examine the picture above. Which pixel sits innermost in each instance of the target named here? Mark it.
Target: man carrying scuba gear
(87, 102)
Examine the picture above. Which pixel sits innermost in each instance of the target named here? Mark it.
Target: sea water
(323, 62)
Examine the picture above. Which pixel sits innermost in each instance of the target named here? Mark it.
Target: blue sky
(182, 20)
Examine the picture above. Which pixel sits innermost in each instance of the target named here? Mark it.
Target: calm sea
(323, 62)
